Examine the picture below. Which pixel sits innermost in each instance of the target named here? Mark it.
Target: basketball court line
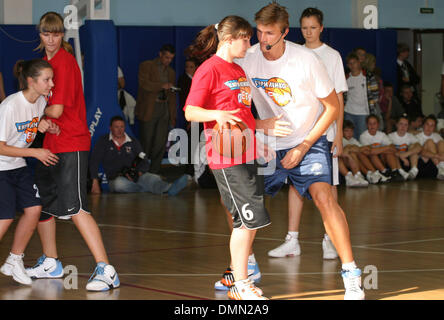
(263, 273)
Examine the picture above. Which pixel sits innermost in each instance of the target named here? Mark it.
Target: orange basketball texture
(279, 91)
(231, 140)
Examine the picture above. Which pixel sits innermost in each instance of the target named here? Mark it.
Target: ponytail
(208, 39)
(204, 46)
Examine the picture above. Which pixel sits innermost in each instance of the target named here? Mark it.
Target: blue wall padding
(17, 42)
(99, 45)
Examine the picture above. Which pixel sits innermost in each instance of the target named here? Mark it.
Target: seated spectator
(408, 147)
(391, 108)
(410, 104)
(358, 157)
(348, 162)
(415, 124)
(203, 175)
(125, 165)
(383, 152)
(431, 162)
(362, 97)
(126, 100)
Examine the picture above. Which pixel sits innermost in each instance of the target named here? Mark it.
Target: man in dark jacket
(125, 165)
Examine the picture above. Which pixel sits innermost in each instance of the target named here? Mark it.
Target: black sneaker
(396, 176)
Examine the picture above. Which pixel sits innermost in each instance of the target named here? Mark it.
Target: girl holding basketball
(20, 119)
(220, 95)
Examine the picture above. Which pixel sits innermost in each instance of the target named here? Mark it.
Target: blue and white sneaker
(352, 283)
(103, 278)
(46, 268)
(254, 274)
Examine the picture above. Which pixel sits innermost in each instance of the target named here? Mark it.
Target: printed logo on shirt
(276, 88)
(402, 147)
(241, 84)
(29, 129)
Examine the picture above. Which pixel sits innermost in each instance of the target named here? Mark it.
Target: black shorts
(63, 187)
(242, 192)
(426, 169)
(18, 192)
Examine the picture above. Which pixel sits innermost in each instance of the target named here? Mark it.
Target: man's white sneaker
(413, 173)
(104, 278)
(245, 290)
(46, 268)
(329, 249)
(289, 248)
(14, 267)
(352, 284)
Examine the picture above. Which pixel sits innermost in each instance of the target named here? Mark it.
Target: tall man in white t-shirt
(287, 83)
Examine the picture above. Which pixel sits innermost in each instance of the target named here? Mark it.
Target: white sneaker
(245, 290)
(46, 268)
(352, 284)
(350, 180)
(372, 177)
(104, 278)
(404, 174)
(360, 178)
(413, 173)
(440, 175)
(329, 249)
(14, 267)
(382, 178)
(289, 248)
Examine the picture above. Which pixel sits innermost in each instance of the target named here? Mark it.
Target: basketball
(231, 140)
(279, 91)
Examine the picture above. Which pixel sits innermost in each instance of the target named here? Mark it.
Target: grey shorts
(242, 192)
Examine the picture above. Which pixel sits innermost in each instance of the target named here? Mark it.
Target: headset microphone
(268, 47)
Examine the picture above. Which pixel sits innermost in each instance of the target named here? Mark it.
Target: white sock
(349, 266)
(251, 258)
(16, 256)
(440, 164)
(326, 237)
(293, 234)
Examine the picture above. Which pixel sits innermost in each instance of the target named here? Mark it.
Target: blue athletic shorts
(18, 192)
(316, 166)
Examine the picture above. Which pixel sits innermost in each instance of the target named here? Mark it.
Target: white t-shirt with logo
(422, 138)
(380, 139)
(290, 85)
(357, 102)
(351, 141)
(19, 120)
(402, 143)
(333, 63)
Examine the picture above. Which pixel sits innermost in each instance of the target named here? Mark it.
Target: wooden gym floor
(168, 248)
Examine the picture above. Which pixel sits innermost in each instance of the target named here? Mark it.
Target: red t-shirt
(68, 91)
(220, 85)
